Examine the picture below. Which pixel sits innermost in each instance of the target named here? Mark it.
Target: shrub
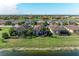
(64, 32)
(5, 35)
(0, 29)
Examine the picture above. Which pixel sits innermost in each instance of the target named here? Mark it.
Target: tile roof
(54, 27)
(72, 27)
(37, 27)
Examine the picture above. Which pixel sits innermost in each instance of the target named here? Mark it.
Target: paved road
(5, 26)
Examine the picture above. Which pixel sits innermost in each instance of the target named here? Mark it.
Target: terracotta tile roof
(72, 27)
(54, 27)
(37, 27)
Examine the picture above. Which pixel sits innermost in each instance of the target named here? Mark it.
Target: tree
(45, 32)
(65, 23)
(8, 23)
(13, 32)
(6, 18)
(45, 23)
(5, 35)
(27, 33)
(20, 23)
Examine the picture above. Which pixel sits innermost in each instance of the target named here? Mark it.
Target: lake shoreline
(52, 49)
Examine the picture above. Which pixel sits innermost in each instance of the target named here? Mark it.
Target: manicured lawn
(43, 42)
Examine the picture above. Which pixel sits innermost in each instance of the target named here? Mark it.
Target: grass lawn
(41, 42)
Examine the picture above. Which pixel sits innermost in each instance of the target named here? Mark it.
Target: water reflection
(40, 53)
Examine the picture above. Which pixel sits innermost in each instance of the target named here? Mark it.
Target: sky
(49, 8)
(14, 7)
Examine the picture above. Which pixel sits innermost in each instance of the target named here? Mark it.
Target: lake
(40, 53)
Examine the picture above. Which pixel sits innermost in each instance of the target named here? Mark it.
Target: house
(41, 30)
(20, 28)
(2, 22)
(17, 25)
(37, 29)
(72, 28)
(17, 21)
(56, 29)
(23, 27)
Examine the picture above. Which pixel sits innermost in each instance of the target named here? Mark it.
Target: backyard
(40, 42)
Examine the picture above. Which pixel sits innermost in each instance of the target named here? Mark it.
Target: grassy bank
(42, 42)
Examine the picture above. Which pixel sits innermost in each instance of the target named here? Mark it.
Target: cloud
(8, 9)
(8, 6)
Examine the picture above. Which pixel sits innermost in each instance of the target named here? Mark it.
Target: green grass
(2, 31)
(43, 42)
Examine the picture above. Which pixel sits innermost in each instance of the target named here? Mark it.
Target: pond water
(40, 53)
